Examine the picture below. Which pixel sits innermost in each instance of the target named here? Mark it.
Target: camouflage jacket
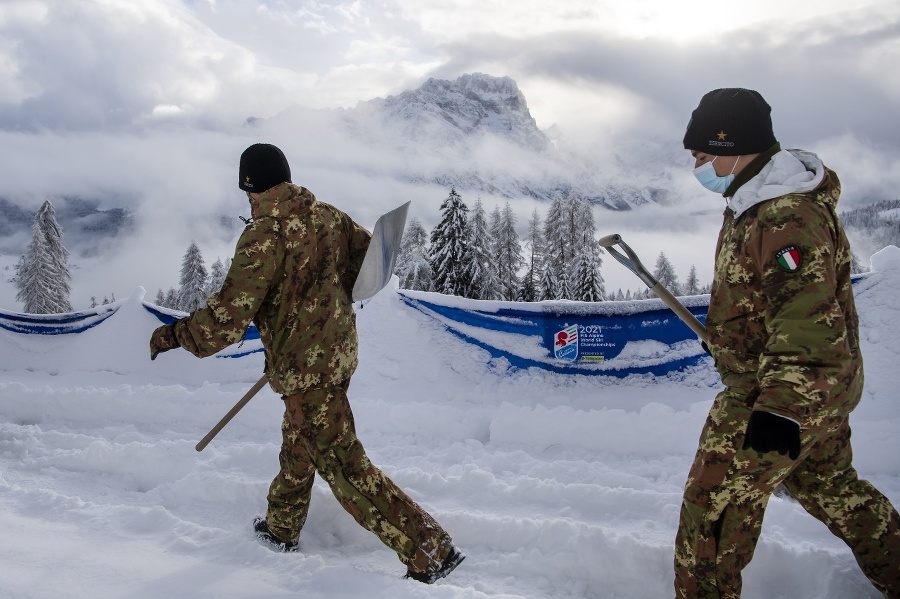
(292, 275)
(782, 319)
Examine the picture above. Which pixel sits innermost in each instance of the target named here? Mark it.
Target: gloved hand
(770, 432)
(163, 339)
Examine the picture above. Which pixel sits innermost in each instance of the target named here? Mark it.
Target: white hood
(789, 171)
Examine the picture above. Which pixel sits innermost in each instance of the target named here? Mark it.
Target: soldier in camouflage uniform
(292, 275)
(783, 331)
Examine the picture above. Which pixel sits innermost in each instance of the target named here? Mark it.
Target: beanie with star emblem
(262, 167)
(730, 121)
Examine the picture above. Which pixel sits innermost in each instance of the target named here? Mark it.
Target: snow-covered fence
(600, 338)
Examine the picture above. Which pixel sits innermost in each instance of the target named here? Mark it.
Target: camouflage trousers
(318, 435)
(728, 489)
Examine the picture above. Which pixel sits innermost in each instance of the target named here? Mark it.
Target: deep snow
(555, 486)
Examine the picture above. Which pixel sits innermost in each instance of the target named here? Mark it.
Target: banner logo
(566, 345)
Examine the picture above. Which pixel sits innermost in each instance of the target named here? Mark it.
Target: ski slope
(555, 485)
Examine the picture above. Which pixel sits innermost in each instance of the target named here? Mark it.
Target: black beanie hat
(263, 166)
(730, 122)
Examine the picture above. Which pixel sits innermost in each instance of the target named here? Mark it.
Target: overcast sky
(144, 100)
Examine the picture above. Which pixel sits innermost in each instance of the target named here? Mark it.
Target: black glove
(770, 432)
(163, 339)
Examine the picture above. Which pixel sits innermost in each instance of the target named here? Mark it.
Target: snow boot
(453, 559)
(266, 536)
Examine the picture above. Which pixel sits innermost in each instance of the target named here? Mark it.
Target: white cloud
(142, 103)
(92, 65)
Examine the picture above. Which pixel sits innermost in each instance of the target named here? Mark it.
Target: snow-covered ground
(555, 486)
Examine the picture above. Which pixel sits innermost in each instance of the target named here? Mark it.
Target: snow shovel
(237, 408)
(633, 263)
(377, 269)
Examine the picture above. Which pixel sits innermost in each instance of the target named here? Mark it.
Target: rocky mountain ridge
(477, 134)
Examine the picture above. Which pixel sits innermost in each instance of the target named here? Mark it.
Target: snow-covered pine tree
(548, 289)
(535, 248)
(588, 284)
(192, 293)
(171, 299)
(480, 265)
(558, 254)
(160, 298)
(507, 252)
(448, 246)
(692, 285)
(665, 274)
(217, 273)
(563, 285)
(43, 271)
(564, 232)
(413, 268)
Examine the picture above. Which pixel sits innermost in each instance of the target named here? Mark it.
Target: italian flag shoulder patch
(788, 258)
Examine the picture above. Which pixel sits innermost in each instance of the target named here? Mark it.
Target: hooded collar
(282, 200)
(789, 171)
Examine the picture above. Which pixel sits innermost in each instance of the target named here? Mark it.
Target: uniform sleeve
(230, 311)
(807, 348)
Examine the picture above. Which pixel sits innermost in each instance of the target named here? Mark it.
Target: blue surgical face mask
(706, 175)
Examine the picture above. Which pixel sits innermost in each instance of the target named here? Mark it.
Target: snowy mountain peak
(474, 133)
(472, 105)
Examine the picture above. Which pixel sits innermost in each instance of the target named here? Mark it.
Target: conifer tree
(569, 231)
(558, 253)
(160, 298)
(171, 299)
(548, 289)
(507, 252)
(449, 239)
(692, 285)
(665, 274)
(536, 248)
(413, 268)
(192, 293)
(588, 284)
(563, 285)
(480, 265)
(43, 271)
(217, 273)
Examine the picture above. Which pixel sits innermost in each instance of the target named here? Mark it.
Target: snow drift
(556, 485)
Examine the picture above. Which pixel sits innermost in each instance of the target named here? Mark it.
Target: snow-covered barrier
(168, 316)
(599, 338)
(604, 338)
(593, 338)
(56, 324)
